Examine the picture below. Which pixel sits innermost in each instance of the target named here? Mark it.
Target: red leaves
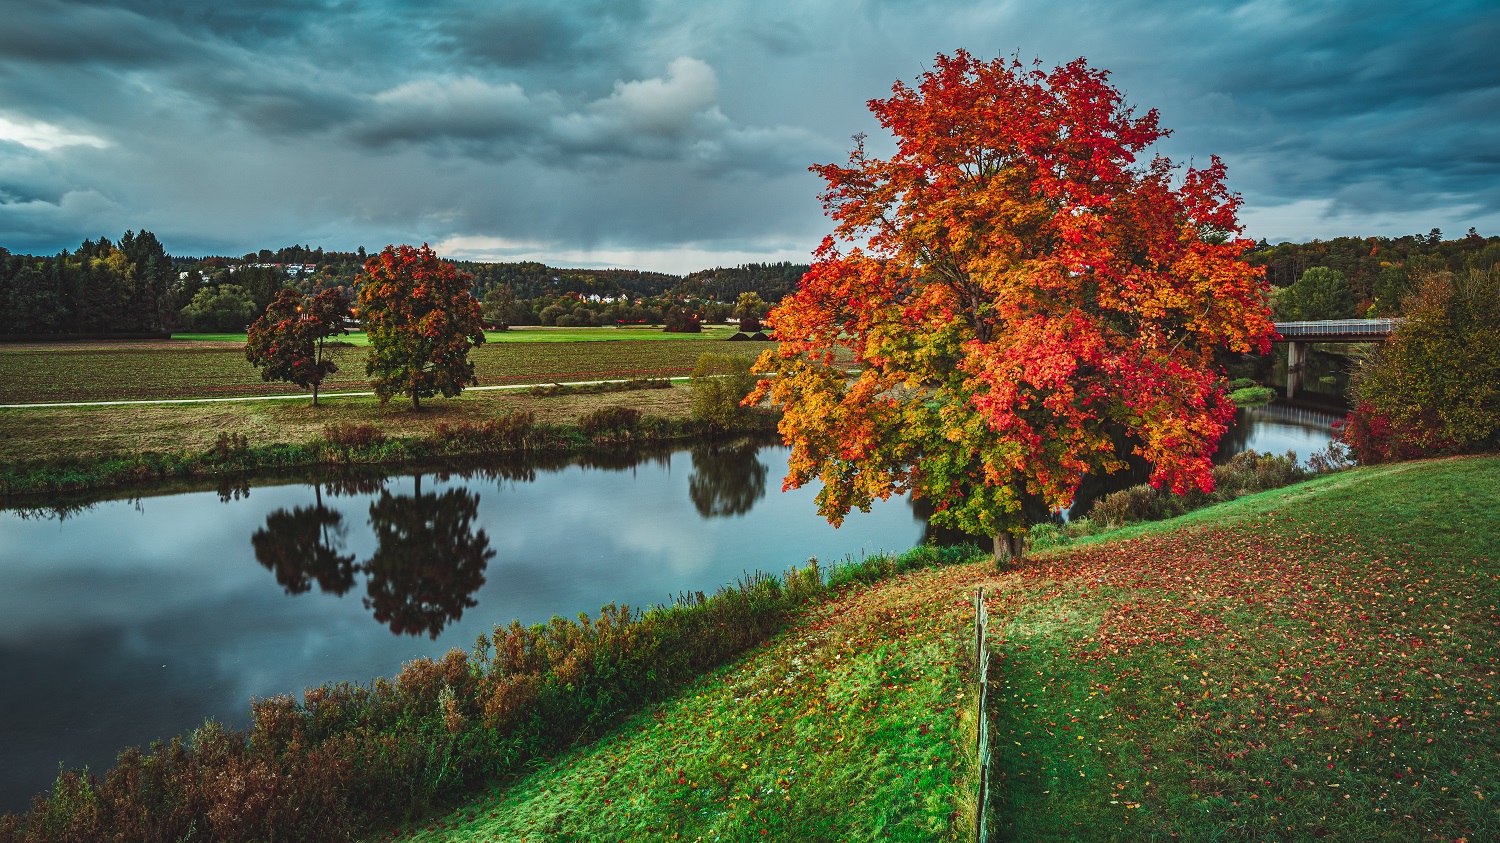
(286, 342)
(1016, 285)
(422, 318)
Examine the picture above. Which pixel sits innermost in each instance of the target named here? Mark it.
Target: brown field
(103, 371)
(167, 369)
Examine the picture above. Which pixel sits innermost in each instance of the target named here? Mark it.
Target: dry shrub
(610, 420)
(503, 433)
(348, 435)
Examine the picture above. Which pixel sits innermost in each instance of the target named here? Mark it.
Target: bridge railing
(1340, 327)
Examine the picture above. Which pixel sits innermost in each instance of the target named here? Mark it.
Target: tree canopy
(1020, 296)
(1321, 293)
(287, 343)
(1434, 387)
(421, 318)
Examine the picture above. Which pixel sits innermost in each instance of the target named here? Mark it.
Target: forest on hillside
(133, 285)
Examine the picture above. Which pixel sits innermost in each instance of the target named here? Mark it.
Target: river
(127, 621)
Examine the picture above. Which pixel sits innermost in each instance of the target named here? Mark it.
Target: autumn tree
(421, 317)
(289, 341)
(1025, 301)
(1434, 387)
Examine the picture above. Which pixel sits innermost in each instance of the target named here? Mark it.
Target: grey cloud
(527, 35)
(236, 125)
(673, 117)
(51, 32)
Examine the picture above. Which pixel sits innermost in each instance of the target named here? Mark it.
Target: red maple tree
(421, 317)
(1017, 291)
(288, 341)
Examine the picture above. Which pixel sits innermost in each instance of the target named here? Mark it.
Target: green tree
(750, 305)
(288, 342)
(719, 383)
(421, 318)
(1321, 293)
(227, 307)
(501, 308)
(262, 282)
(1434, 387)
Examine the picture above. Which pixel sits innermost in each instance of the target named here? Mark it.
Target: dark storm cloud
(46, 32)
(653, 125)
(516, 34)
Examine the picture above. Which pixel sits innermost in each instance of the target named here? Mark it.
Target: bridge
(1298, 335)
(1338, 330)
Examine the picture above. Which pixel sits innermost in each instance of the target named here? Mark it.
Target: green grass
(238, 338)
(848, 727)
(1315, 662)
(540, 334)
(1311, 663)
(1252, 396)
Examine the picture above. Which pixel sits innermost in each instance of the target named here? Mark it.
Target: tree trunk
(1009, 546)
(416, 400)
(315, 393)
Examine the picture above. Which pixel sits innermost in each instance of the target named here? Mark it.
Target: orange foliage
(1016, 287)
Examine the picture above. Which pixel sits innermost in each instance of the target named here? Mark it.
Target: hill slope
(1316, 662)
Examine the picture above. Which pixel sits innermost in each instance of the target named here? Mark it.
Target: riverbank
(1316, 661)
(43, 452)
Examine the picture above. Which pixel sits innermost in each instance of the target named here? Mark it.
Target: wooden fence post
(982, 737)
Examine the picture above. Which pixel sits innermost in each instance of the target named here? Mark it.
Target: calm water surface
(130, 621)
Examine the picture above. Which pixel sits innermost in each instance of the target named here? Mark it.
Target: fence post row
(982, 737)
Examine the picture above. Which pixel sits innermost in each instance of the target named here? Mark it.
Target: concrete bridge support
(1296, 359)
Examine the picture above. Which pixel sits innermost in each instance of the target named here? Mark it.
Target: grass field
(33, 373)
(1312, 663)
(55, 432)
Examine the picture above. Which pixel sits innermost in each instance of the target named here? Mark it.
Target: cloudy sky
(676, 134)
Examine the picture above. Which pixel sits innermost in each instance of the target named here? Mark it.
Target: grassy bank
(134, 447)
(1311, 663)
(1316, 662)
(51, 433)
(857, 724)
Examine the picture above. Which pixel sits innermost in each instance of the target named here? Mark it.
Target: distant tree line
(101, 287)
(135, 286)
(1349, 277)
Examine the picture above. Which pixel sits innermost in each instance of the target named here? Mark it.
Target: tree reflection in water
(728, 478)
(428, 562)
(303, 545)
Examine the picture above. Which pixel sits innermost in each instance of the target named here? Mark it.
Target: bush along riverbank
(350, 760)
(346, 444)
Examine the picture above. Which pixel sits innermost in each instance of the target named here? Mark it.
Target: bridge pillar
(1296, 358)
